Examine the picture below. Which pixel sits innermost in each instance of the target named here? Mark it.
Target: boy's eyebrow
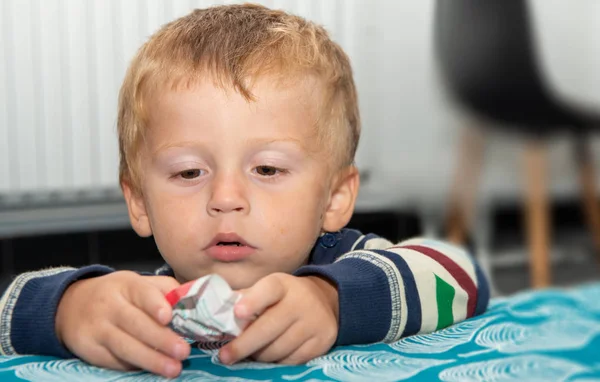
(166, 146)
(296, 142)
(257, 141)
(254, 141)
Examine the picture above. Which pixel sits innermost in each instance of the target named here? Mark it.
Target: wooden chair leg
(589, 192)
(463, 194)
(537, 216)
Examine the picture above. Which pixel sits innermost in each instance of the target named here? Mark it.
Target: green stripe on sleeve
(445, 296)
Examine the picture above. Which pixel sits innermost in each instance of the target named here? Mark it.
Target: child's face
(233, 187)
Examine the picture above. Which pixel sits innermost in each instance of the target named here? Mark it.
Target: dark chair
(487, 57)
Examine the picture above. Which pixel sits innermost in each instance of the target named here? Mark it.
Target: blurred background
(455, 142)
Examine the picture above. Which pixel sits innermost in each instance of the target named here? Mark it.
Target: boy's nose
(228, 195)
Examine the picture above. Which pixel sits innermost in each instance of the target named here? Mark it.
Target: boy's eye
(190, 174)
(267, 170)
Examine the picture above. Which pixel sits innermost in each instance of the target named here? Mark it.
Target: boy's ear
(342, 200)
(136, 207)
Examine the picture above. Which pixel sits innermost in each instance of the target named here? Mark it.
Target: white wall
(62, 62)
(419, 129)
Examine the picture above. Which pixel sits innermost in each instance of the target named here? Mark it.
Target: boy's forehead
(285, 106)
(269, 94)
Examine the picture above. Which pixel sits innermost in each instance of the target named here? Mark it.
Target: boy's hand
(119, 321)
(297, 320)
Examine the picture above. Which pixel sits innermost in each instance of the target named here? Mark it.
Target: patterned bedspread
(551, 335)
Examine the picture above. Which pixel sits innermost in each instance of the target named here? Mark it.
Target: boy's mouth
(230, 239)
(229, 247)
(234, 243)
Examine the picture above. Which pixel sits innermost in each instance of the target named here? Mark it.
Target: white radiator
(61, 65)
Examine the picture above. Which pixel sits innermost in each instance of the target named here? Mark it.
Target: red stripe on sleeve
(461, 276)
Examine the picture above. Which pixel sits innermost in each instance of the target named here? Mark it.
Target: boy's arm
(28, 310)
(391, 291)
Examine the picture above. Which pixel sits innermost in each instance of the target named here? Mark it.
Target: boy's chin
(235, 280)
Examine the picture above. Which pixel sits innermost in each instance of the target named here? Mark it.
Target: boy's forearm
(28, 310)
(364, 313)
(414, 287)
(329, 290)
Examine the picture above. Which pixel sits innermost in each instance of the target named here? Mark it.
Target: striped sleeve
(28, 310)
(388, 291)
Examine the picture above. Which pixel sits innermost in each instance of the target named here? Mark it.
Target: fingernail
(225, 357)
(180, 351)
(163, 316)
(241, 310)
(171, 369)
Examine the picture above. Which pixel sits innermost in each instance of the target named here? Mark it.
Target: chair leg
(537, 216)
(464, 188)
(589, 193)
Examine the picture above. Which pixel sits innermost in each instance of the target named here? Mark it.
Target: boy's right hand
(119, 321)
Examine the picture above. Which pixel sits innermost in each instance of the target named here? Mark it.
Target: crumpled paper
(203, 310)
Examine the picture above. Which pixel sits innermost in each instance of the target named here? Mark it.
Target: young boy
(237, 130)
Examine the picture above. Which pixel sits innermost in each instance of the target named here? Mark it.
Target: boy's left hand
(296, 320)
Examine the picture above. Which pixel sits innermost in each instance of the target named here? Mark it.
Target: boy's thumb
(164, 283)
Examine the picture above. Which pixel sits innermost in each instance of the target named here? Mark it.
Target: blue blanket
(551, 335)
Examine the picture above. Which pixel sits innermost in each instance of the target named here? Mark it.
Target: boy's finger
(283, 346)
(128, 349)
(256, 299)
(101, 356)
(266, 329)
(164, 283)
(302, 354)
(140, 326)
(152, 301)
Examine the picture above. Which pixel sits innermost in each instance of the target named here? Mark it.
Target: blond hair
(234, 45)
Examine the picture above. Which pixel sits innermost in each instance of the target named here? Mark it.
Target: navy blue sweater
(386, 291)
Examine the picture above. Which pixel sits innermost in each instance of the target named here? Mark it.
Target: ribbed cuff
(364, 299)
(483, 291)
(32, 328)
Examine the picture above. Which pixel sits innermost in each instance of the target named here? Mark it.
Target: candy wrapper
(203, 310)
